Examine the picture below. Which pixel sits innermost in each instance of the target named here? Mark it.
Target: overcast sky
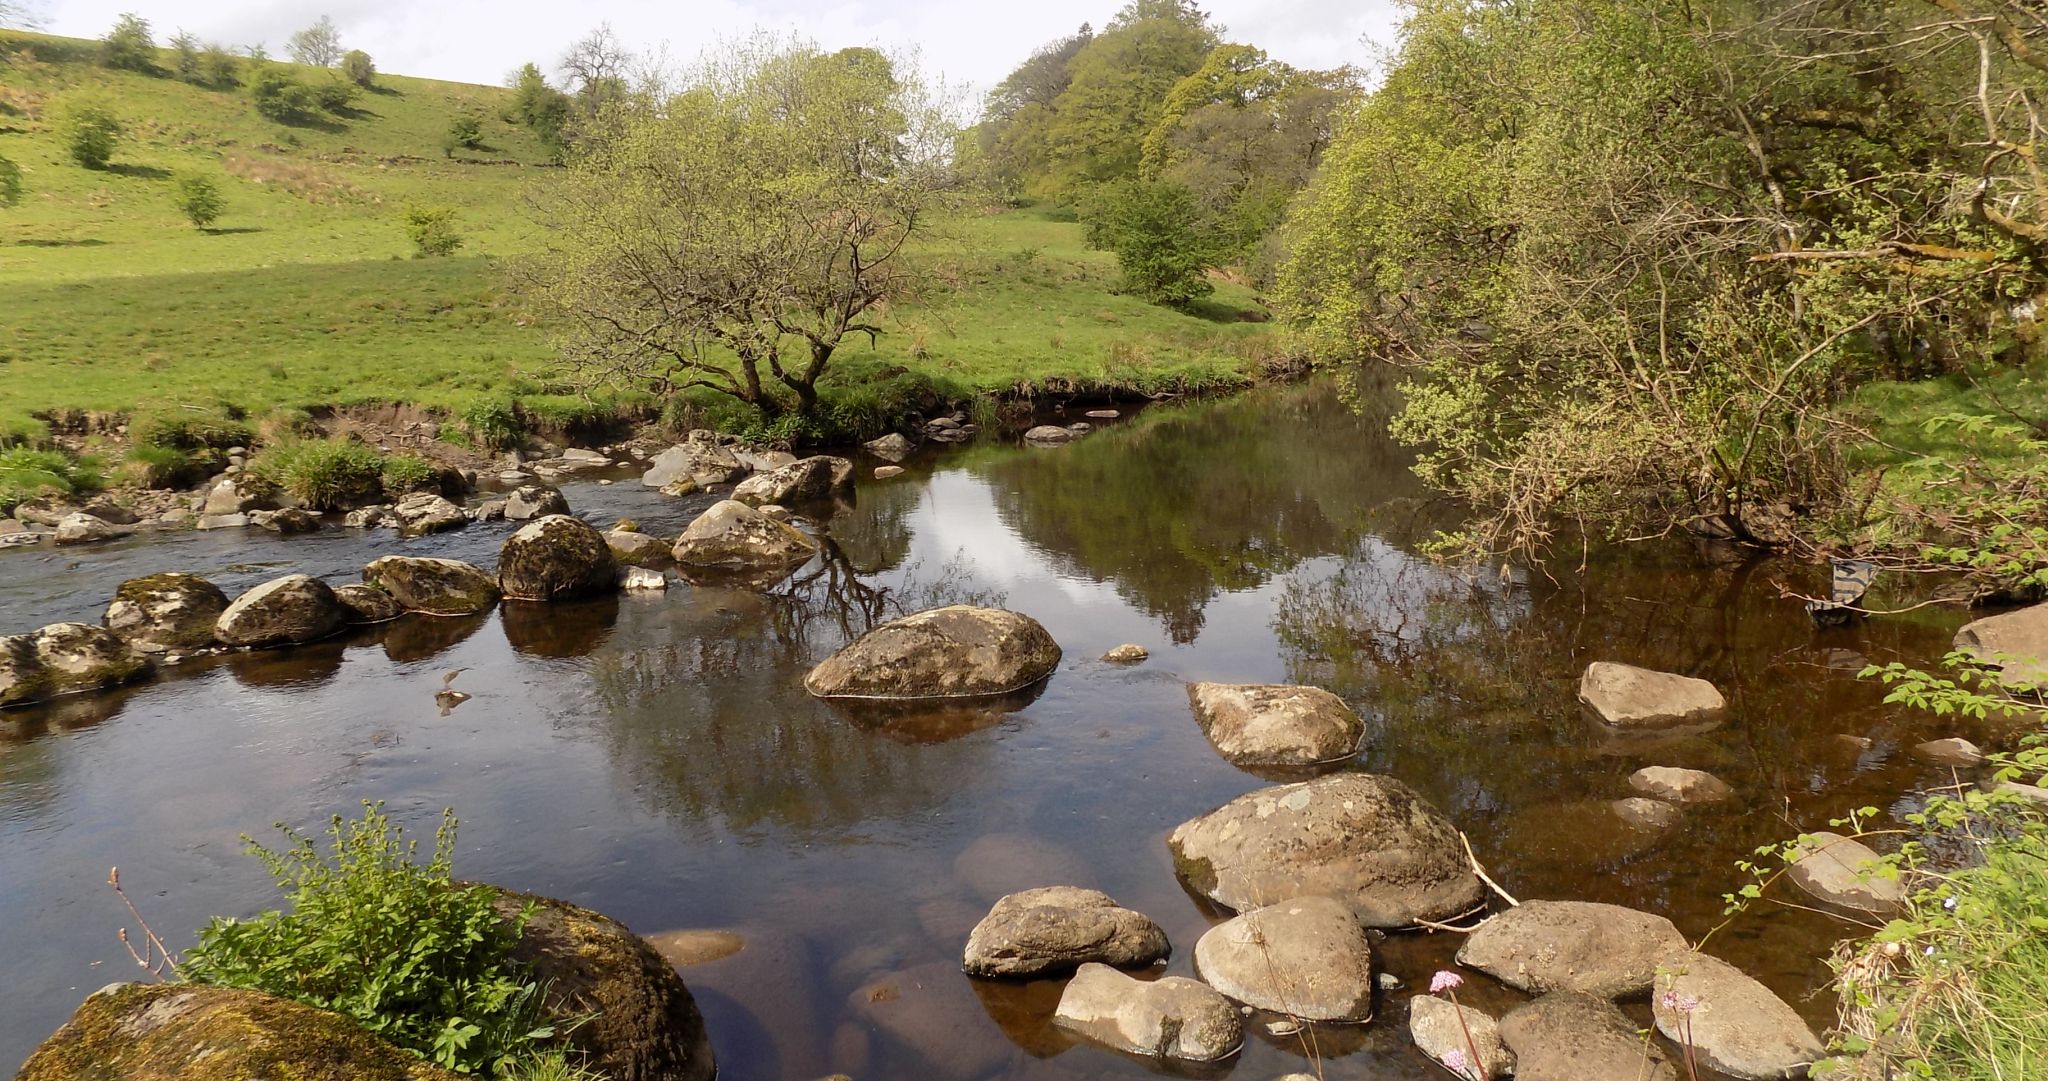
(970, 42)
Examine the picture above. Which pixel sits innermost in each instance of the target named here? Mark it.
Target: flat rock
(1128, 653)
(1565, 1036)
(1679, 785)
(1649, 815)
(434, 587)
(1441, 1033)
(283, 611)
(1306, 958)
(2014, 643)
(1622, 694)
(556, 558)
(1254, 724)
(684, 949)
(953, 652)
(1953, 751)
(1173, 1018)
(1846, 873)
(642, 580)
(290, 521)
(1367, 840)
(733, 536)
(1048, 435)
(1102, 414)
(804, 481)
(884, 472)
(367, 604)
(163, 612)
(1056, 929)
(1733, 1023)
(1603, 950)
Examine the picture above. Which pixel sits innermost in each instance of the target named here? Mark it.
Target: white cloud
(969, 43)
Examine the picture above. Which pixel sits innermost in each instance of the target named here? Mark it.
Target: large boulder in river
(2015, 643)
(282, 611)
(22, 678)
(82, 657)
(236, 495)
(807, 480)
(1846, 873)
(1173, 1018)
(83, 528)
(164, 612)
(1574, 1037)
(555, 558)
(1594, 949)
(733, 536)
(1450, 1033)
(1622, 694)
(1367, 840)
(434, 587)
(367, 604)
(644, 1024)
(425, 512)
(1254, 724)
(954, 652)
(1053, 930)
(701, 462)
(188, 1032)
(1732, 1022)
(1307, 958)
(530, 501)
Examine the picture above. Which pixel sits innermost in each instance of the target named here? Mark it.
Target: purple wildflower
(1445, 980)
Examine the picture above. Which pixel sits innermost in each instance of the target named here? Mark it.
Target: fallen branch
(1481, 871)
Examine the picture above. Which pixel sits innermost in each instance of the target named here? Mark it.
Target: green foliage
(540, 108)
(280, 97)
(465, 131)
(198, 198)
(189, 430)
(358, 68)
(26, 473)
(326, 474)
(129, 46)
(403, 473)
(431, 230)
(1159, 237)
(395, 944)
(318, 45)
(219, 68)
(185, 58)
(335, 95)
(10, 183)
(88, 130)
(493, 422)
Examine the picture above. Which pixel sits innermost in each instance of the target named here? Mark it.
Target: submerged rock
(1574, 1037)
(953, 652)
(1056, 929)
(1846, 873)
(1953, 751)
(1367, 840)
(188, 1032)
(2014, 643)
(1450, 1033)
(646, 1026)
(1307, 958)
(1595, 949)
(1173, 1018)
(163, 612)
(556, 558)
(434, 587)
(1649, 815)
(1680, 785)
(803, 481)
(733, 536)
(1128, 653)
(367, 604)
(529, 501)
(1622, 694)
(422, 513)
(283, 611)
(1732, 1022)
(1275, 724)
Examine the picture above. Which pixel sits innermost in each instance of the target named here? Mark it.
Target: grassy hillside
(305, 292)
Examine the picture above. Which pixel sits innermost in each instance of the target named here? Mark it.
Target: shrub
(187, 66)
(128, 45)
(88, 131)
(335, 95)
(218, 67)
(432, 230)
(198, 198)
(165, 467)
(406, 473)
(26, 473)
(187, 430)
(493, 422)
(358, 68)
(282, 98)
(324, 474)
(10, 183)
(465, 131)
(397, 945)
(1157, 233)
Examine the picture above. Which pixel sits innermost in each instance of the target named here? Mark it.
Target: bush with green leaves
(1158, 234)
(219, 68)
(395, 944)
(129, 46)
(324, 474)
(493, 423)
(358, 68)
(88, 130)
(185, 58)
(431, 230)
(403, 473)
(10, 183)
(198, 198)
(335, 95)
(280, 97)
(26, 473)
(464, 132)
(190, 429)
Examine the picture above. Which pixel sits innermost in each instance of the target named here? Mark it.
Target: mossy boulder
(283, 611)
(434, 587)
(367, 604)
(634, 548)
(804, 481)
(22, 678)
(422, 513)
(957, 651)
(82, 657)
(556, 558)
(647, 1027)
(164, 612)
(734, 536)
(184, 1032)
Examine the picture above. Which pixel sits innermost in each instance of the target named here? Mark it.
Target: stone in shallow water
(283, 611)
(930, 1009)
(884, 472)
(1733, 1023)
(733, 536)
(1953, 751)
(434, 587)
(890, 448)
(1056, 929)
(1594, 949)
(165, 612)
(953, 652)
(1450, 1033)
(1574, 1037)
(82, 657)
(1172, 1018)
(685, 948)
(1048, 435)
(1653, 815)
(1680, 785)
(1622, 694)
(1128, 653)
(807, 480)
(556, 558)
(999, 864)
(1847, 873)
(2014, 643)
(367, 604)
(1307, 958)
(1275, 724)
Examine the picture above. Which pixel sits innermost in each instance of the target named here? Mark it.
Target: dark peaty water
(656, 758)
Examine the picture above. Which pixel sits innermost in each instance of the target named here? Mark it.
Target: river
(655, 757)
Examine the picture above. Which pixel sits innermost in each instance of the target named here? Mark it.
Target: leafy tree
(432, 230)
(318, 45)
(358, 68)
(595, 70)
(1120, 78)
(87, 129)
(541, 108)
(185, 57)
(280, 97)
(10, 183)
(218, 67)
(1012, 135)
(735, 236)
(198, 198)
(129, 46)
(1160, 239)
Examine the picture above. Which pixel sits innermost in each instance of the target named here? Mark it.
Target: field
(305, 292)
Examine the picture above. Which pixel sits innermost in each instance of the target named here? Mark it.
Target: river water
(655, 757)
